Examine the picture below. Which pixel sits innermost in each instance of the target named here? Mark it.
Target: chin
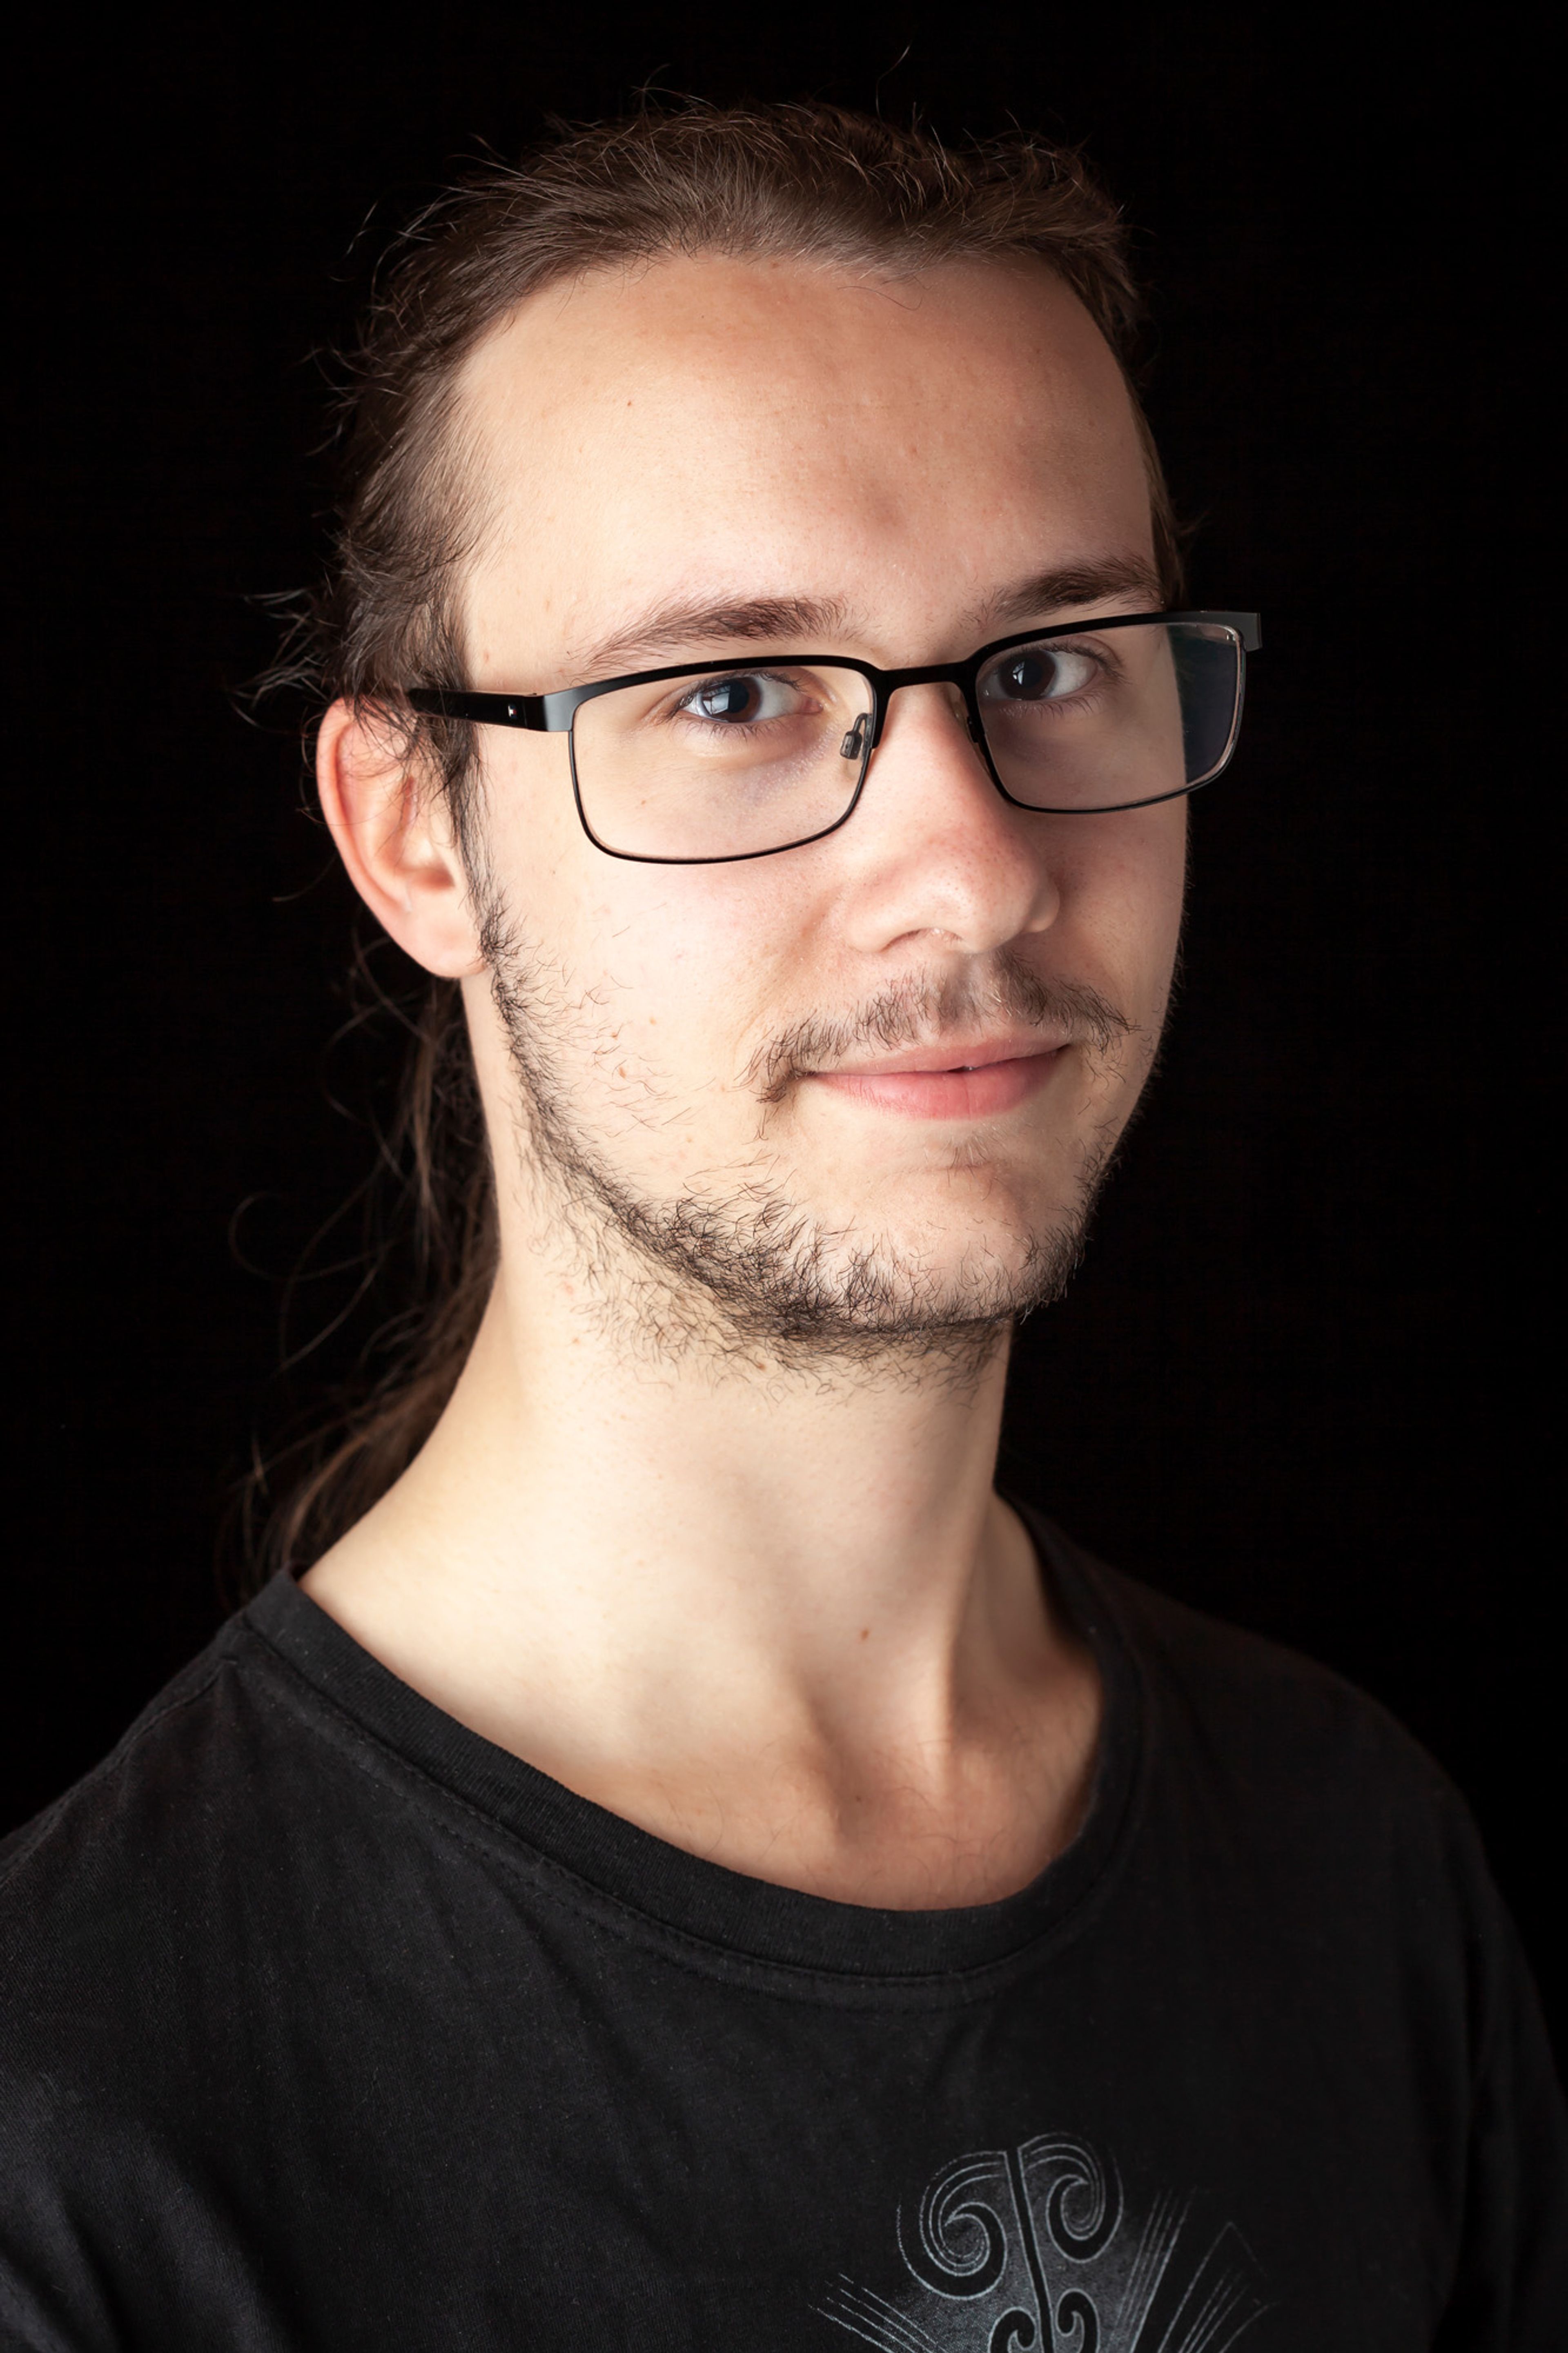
(984, 1270)
(998, 1244)
(982, 1203)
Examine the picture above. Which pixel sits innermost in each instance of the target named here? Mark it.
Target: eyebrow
(673, 630)
(1068, 586)
(821, 622)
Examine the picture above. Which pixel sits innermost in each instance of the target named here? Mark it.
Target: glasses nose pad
(854, 744)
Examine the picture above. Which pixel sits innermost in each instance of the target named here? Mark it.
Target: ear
(394, 834)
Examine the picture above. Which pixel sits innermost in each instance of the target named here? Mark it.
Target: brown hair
(810, 182)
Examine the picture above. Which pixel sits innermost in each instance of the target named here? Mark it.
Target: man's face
(747, 1079)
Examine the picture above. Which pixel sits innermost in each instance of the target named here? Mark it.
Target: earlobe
(395, 834)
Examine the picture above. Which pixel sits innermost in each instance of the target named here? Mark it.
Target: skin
(757, 1593)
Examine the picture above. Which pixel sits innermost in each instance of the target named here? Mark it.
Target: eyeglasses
(699, 765)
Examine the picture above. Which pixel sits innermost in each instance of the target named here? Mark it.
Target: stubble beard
(739, 1271)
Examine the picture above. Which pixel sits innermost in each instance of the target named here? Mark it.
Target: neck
(775, 1612)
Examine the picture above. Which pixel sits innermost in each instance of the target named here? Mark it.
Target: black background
(1293, 1383)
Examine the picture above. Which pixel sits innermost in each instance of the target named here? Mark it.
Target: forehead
(744, 428)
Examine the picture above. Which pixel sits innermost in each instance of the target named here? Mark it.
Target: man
(687, 1863)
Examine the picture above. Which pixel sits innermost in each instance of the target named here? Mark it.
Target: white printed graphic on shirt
(1038, 2247)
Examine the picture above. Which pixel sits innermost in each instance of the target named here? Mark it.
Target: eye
(742, 698)
(1039, 674)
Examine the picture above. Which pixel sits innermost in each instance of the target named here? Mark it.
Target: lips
(973, 1082)
(955, 1054)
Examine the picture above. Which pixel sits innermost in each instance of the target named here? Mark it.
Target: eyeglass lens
(734, 760)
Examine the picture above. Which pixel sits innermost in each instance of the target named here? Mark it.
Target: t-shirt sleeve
(1510, 2288)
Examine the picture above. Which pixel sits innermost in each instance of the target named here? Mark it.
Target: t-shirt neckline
(741, 1917)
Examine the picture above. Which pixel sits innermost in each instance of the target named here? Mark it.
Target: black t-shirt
(327, 2025)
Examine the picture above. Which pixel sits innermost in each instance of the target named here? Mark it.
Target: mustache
(914, 1011)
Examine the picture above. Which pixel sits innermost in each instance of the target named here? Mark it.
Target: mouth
(954, 1082)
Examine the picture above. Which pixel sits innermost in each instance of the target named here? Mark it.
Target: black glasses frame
(556, 714)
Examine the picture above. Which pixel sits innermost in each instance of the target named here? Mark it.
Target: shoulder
(142, 1853)
(1336, 1870)
(1271, 1698)
(1278, 1753)
(1347, 1908)
(138, 1918)
(150, 1920)
(1273, 1702)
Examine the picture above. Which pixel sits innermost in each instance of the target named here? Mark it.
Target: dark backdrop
(1292, 1382)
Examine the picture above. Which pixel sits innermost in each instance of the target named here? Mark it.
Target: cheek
(1122, 889)
(685, 964)
(713, 958)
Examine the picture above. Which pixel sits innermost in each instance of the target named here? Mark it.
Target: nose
(938, 685)
(934, 847)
